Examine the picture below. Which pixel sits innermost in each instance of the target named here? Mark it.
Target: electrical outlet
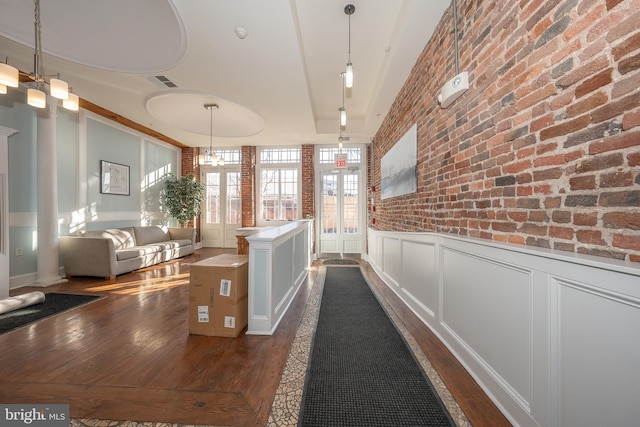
(19, 251)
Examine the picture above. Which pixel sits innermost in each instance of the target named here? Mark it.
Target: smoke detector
(241, 32)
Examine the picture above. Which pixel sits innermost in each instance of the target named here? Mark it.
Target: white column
(47, 185)
(5, 133)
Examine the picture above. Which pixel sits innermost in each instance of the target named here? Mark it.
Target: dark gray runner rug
(361, 371)
(53, 304)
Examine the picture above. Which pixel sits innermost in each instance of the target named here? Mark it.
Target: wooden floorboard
(129, 356)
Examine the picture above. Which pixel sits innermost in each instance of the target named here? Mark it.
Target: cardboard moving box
(218, 296)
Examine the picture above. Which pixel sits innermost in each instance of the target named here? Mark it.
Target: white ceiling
(279, 85)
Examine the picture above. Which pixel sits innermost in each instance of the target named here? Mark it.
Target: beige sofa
(108, 253)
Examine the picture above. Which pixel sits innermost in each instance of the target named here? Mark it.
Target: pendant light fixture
(10, 76)
(343, 112)
(349, 8)
(210, 158)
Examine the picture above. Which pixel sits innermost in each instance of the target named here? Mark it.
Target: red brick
(601, 79)
(519, 216)
(629, 25)
(562, 100)
(541, 123)
(545, 148)
(598, 64)
(517, 167)
(616, 179)
(561, 217)
(547, 174)
(561, 233)
(552, 202)
(585, 23)
(533, 229)
(631, 120)
(535, 97)
(557, 159)
(588, 104)
(583, 183)
(523, 191)
(626, 241)
(616, 108)
(613, 3)
(592, 237)
(626, 47)
(615, 142)
(633, 159)
(595, 163)
(537, 216)
(626, 85)
(506, 227)
(565, 127)
(622, 220)
(585, 219)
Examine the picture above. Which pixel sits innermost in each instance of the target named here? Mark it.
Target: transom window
(231, 156)
(327, 154)
(279, 155)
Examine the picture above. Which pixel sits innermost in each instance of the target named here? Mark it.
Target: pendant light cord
(211, 131)
(38, 48)
(455, 34)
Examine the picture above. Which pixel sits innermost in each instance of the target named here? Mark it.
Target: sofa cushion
(138, 251)
(150, 234)
(181, 242)
(122, 237)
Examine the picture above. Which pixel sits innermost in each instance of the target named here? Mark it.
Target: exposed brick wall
(189, 165)
(190, 162)
(308, 172)
(248, 173)
(544, 148)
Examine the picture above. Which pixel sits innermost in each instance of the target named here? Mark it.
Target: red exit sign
(341, 160)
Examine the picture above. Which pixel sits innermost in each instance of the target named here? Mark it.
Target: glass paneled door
(341, 212)
(222, 210)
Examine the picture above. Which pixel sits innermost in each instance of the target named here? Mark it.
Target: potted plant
(183, 197)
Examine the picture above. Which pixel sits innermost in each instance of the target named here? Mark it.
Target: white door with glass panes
(341, 211)
(222, 206)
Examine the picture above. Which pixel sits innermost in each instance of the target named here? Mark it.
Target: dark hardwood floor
(129, 356)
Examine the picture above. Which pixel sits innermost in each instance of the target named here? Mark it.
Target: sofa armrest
(88, 256)
(183, 233)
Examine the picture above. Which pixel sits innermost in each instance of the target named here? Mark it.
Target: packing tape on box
(21, 301)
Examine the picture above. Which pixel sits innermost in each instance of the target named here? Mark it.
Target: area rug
(54, 303)
(340, 261)
(361, 371)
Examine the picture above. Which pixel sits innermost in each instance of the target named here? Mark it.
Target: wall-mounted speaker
(453, 89)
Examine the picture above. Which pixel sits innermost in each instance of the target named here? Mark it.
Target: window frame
(262, 166)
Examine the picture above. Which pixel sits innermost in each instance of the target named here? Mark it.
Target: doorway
(222, 211)
(341, 211)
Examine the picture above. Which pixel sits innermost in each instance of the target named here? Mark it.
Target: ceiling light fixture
(9, 76)
(57, 88)
(349, 8)
(343, 112)
(210, 158)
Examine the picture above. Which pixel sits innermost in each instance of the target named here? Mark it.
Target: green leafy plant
(183, 197)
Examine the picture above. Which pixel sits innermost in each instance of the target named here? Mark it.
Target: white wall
(550, 336)
(5, 133)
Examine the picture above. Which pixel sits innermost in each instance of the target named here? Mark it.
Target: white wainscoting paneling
(552, 337)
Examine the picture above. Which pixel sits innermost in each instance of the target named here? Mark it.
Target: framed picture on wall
(114, 178)
(398, 166)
